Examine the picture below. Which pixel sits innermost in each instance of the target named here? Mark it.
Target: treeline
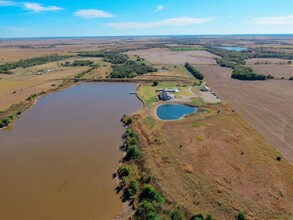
(246, 73)
(78, 63)
(112, 56)
(236, 60)
(186, 48)
(194, 71)
(130, 69)
(5, 68)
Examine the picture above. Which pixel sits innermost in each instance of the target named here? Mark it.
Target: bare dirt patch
(276, 70)
(165, 56)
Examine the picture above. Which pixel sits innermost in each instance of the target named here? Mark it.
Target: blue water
(234, 48)
(173, 112)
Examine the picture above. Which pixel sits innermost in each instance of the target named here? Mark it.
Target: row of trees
(112, 56)
(130, 69)
(194, 71)
(5, 68)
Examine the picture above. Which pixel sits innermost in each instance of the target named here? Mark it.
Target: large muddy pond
(57, 161)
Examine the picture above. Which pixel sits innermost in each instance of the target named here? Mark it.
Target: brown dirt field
(221, 167)
(276, 70)
(263, 60)
(266, 105)
(165, 56)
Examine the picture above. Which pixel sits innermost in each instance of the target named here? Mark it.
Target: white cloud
(159, 8)
(93, 13)
(175, 22)
(278, 20)
(7, 3)
(35, 7)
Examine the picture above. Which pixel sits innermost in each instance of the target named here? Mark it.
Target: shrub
(127, 120)
(130, 133)
(133, 152)
(197, 217)
(278, 158)
(124, 170)
(5, 122)
(155, 83)
(132, 188)
(150, 194)
(177, 214)
(31, 97)
(241, 216)
(147, 211)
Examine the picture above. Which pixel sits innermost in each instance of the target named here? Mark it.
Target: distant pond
(234, 48)
(174, 111)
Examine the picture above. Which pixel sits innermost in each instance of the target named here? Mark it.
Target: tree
(155, 83)
(133, 152)
(177, 214)
(147, 211)
(241, 216)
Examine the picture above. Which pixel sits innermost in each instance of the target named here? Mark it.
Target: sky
(67, 18)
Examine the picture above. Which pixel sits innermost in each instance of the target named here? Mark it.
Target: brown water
(58, 159)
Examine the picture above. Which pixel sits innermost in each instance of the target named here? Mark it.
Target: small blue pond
(173, 112)
(234, 48)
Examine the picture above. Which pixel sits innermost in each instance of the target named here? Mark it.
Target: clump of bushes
(31, 97)
(155, 83)
(201, 217)
(246, 73)
(149, 193)
(177, 214)
(112, 56)
(147, 210)
(133, 152)
(130, 69)
(123, 171)
(127, 120)
(6, 121)
(132, 188)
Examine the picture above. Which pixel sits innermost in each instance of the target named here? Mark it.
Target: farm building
(205, 89)
(168, 90)
(165, 96)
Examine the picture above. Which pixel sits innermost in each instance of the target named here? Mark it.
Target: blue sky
(39, 18)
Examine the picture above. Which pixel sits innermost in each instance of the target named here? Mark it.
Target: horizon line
(151, 35)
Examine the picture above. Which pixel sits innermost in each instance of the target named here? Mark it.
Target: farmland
(165, 56)
(266, 105)
(212, 162)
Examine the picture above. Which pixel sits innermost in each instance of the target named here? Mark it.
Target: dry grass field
(215, 163)
(169, 72)
(266, 105)
(24, 82)
(165, 56)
